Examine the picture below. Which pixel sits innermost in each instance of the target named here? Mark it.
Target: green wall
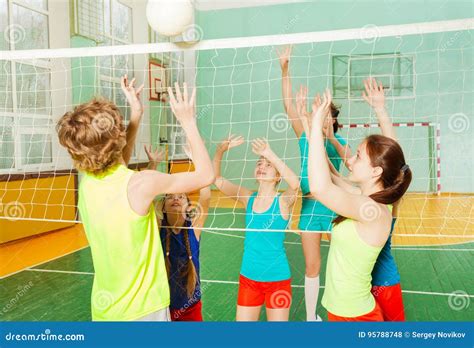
(241, 88)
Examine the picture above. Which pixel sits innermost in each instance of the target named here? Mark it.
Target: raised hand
(230, 142)
(156, 156)
(316, 102)
(301, 98)
(284, 55)
(328, 128)
(132, 95)
(374, 93)
(321, 112)
(182, 105)
(260, 147)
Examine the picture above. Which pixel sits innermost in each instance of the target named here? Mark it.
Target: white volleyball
(169, 17)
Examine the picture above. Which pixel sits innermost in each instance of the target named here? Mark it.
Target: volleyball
(169, 17)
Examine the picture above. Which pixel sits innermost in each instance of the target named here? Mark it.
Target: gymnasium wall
(247, 85)
(84, 88)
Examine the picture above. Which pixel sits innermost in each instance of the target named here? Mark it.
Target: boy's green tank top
(130, 276)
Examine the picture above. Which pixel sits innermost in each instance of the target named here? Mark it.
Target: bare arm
(332, 196)
(228, 188)
(204, 203)
(136, 112)
(147, 184)
(344, 151)
(261, 148)
(284, 57)
(374, 95)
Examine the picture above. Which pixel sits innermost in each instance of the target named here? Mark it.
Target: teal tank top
(314, 214)
(304, 150)
(264, 256)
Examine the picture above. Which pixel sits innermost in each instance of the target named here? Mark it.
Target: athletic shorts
(374, 315)
(193, 313)
(161, 315)
(275, 295)
(390, 300)
(312, 219)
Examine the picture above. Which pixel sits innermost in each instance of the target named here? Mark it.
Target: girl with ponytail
(386, 286)
(181, 225)
(381, 177)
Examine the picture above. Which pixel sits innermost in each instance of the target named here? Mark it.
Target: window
(108, 23)
(117, 30)
(174, 64)
(25, 88)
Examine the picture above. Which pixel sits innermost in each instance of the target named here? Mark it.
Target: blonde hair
(94, 135)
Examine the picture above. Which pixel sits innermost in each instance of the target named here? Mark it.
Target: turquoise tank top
(314, 212)
(304, 150)
(264, 256)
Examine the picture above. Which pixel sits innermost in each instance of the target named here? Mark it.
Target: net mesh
(427, 71)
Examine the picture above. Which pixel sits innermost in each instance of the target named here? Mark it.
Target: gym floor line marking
(326, 245)
(43, 262)
(237, 283)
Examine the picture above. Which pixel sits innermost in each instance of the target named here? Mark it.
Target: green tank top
(130, 276)
(348, 272)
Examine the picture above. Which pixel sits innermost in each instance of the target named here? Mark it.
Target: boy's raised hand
(182, 105)
(133, 95)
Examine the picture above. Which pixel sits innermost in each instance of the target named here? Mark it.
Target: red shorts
(275, 295)
(390, 301)
(375, 315)
(193, 313)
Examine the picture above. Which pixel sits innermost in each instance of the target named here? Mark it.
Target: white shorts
(161, 315)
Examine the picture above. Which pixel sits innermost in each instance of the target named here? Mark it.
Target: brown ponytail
(167, 252)
(396, 175)
(189, 271)
(334, 114)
